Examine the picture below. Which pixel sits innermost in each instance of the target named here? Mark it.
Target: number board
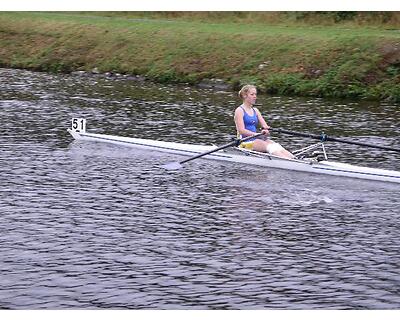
(78, 125)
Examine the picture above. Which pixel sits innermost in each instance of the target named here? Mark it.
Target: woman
(247, 119)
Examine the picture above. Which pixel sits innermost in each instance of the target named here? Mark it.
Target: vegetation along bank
(286, 57)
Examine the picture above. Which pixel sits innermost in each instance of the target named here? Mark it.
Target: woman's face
(251, 96)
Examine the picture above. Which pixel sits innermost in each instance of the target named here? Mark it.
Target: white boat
(312, 165)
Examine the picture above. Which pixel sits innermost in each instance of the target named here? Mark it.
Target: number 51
(79, 125)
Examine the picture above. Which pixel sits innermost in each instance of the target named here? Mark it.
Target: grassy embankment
(327, 61)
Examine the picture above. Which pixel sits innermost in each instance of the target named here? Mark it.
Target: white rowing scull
(312, 165)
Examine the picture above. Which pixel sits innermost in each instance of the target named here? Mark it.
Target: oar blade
(172, 166)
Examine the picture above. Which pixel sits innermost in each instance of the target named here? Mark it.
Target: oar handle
(240, 140)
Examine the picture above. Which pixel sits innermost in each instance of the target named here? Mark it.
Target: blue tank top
(250, 122)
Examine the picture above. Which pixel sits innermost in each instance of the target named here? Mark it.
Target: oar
(178, 165)
(323, 137)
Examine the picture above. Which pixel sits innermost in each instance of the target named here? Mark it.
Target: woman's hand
(265, 130)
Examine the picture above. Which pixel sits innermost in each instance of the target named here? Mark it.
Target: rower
(247, 118)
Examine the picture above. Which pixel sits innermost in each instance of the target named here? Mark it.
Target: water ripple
(93, 226)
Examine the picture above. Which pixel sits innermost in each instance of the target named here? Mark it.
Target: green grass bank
(341, 61)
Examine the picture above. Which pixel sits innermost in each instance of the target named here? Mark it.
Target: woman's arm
(261, 120)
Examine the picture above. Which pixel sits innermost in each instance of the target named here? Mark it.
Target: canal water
(90, 226)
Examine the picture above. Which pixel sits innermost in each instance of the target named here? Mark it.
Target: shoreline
(327, 62)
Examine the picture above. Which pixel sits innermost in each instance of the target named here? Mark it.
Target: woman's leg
(272, 148)
(284, 154)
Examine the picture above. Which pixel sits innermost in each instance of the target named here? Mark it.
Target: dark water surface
(89, 225)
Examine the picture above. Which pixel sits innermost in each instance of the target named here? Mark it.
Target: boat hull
(321, 167)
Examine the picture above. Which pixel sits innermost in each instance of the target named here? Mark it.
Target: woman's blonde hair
(242, 92)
